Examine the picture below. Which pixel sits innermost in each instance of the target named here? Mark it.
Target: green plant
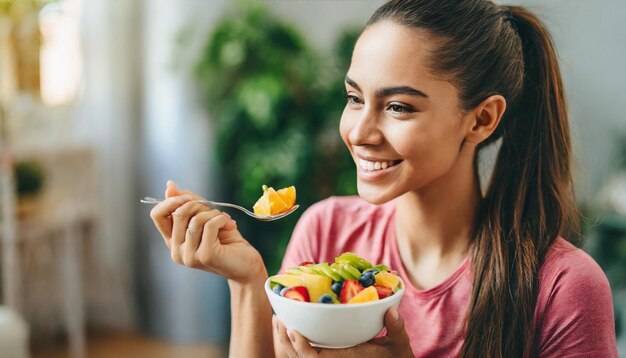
(29, 178)
(276, 107)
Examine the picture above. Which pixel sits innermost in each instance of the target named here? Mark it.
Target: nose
(365, 129)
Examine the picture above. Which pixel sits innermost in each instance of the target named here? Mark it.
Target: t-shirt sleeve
(303, 245)
(578, 318)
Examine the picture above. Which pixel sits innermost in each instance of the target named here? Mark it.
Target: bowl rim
(397, 295)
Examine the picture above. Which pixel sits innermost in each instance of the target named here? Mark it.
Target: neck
(434, 223)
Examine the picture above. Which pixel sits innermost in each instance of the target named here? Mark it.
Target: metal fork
(153, 201)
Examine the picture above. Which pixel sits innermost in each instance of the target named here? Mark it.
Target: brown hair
(486, 49)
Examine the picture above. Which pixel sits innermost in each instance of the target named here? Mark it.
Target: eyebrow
(390, 91)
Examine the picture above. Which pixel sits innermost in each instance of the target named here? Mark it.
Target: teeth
(374, 166)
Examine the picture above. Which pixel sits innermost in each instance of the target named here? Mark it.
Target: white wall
(175, 302)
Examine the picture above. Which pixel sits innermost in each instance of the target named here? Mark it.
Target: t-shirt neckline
(439, 289)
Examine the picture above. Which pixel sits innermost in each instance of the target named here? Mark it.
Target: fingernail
(170, 182)
(185, 198)
(226, 214)
(291, 336)
(394, 313)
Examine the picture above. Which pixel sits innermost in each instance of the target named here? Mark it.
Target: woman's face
(402, 124)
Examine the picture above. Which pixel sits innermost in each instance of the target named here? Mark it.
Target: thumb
(171, 190)
(395, 327)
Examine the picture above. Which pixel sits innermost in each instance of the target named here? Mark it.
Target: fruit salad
(350, 279)
(274, 202)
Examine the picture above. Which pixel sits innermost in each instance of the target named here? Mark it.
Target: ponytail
(527, 206)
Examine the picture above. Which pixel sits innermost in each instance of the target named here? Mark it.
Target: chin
(373, 195)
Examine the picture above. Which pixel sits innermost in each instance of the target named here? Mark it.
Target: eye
(400, 108)
(352, 99)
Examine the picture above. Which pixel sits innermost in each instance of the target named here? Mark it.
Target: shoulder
(574, 311)
(567, 264)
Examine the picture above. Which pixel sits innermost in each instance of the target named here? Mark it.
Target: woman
(430, 84)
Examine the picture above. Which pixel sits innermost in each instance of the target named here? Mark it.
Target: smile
(375, 166)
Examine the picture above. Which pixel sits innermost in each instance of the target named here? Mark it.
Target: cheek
(429, 151)
(345, 124)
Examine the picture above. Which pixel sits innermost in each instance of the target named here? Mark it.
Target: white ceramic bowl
(333, 325)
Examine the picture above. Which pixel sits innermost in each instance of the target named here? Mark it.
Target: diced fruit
(381, 268)
(294, 271)
(367, 279)
(326, 298)
(278, 288)
(349, 279)
(347, 271)
(270, 203)
(353, 271)
(383, 291)
(307, 269)
(372, 270)
(336, 287)
(350, 289)
(288, 195)
(329, 272)
(317, 285)
(353, 259)
(299, 293)
(387, 279)
(367, 295)
(285, 289)
(288, 280)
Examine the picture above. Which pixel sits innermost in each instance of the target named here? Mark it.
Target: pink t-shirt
(574, 312)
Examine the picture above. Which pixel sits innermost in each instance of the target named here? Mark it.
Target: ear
(485, 118)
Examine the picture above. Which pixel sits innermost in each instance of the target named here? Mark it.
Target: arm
(206, 239)
(251, 314)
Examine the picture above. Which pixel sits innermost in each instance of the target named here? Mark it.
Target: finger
(193, 234)
(161, 214)
(230, 225)
(172, 191)
(279, 352)
(209, 235)
(395, 328)
(284, 341)
(181, 217)
(301, 345)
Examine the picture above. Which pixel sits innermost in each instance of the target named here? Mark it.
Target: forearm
(251, 321)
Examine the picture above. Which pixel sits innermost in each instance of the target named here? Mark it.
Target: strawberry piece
(383, 291)
(304, 263)
(299, 293)
(349, 289)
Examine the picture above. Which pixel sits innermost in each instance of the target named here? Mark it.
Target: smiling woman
(429, 85)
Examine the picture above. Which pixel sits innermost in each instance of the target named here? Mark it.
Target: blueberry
(372, 270)
(325, 299)
(336, 287)
(367, 279)
(277, 289)
(283, 290)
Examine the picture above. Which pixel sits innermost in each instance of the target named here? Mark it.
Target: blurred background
(103, 101)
